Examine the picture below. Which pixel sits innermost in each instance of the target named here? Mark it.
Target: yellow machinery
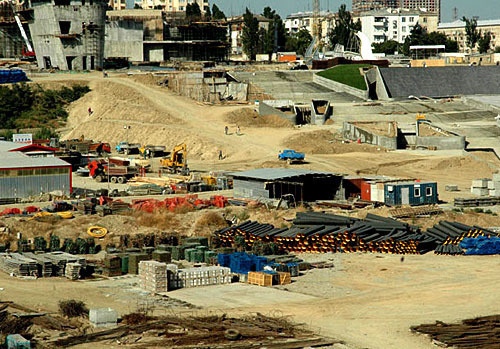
(177, 162)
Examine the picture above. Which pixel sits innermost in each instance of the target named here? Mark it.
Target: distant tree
(268, 12)
(484, 43)
(299, 42)
(388, 47)
(217, 14)
(471, 32)
(250, 35)
(497, 49)
(419, 36)
(158, 7)
(137, 6)
(193, 11)
(344, 30)
(208, 14)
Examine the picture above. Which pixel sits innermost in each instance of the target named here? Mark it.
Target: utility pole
(455, 13)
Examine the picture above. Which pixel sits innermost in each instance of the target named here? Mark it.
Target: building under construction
(68, 34)
(11, 40)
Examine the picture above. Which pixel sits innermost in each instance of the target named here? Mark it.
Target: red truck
(100, 171)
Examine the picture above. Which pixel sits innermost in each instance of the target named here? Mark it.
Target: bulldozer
(177, 162)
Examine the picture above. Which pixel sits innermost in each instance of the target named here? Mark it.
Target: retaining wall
(352, 132)
(338, 87)
(266, 109)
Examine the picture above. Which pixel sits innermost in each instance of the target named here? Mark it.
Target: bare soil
(249, 118)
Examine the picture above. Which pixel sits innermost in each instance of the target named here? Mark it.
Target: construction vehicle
(127, 148)
(101, 170)
(154, 150)
(177, 162)
(85, 146)
(291, 156)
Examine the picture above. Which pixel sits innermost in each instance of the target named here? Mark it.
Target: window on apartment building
(403, 19)
(62, 2)
(412, 19)
(395, 33)
(64, 27)
(403, 29)
(425, 19)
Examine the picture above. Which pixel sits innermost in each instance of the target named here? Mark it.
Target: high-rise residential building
(368, 5)
(428, 5)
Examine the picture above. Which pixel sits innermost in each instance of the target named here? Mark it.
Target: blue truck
(291, 156)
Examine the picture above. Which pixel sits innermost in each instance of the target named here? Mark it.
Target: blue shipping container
(411, 193)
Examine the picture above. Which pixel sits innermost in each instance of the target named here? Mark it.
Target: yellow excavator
(177, 162)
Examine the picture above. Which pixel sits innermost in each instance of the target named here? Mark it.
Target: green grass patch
(347, 74)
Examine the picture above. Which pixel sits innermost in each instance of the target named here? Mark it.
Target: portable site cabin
(411, 193)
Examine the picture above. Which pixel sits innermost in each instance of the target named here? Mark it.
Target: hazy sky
(485, 9)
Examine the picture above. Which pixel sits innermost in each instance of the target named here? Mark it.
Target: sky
(485, 9)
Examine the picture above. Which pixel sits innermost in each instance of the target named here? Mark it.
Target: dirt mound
(247, 117)
(324, 142)
(462, 163)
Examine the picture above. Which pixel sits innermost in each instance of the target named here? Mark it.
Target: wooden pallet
(409, 212)
(285, 278)
(259, 278)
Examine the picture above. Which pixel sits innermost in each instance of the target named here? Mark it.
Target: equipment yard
(194, 228)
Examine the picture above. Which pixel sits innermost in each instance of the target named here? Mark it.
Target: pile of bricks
(203, 276)
(153, 276)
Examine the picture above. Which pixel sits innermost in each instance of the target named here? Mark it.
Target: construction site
(183, 200)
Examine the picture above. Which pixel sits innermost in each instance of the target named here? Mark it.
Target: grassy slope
(346, 74)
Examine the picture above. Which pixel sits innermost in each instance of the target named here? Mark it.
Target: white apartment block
(393, 24)
(174, 5)
(304, 20)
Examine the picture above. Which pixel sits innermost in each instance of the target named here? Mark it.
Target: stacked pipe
(320, 233)
(449, 235)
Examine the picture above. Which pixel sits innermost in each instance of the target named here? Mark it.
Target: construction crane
(316, 25)
(28, 52)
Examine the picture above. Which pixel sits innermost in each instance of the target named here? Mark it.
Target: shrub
(73, 308)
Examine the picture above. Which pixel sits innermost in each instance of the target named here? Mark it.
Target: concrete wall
(441, 143)
(239, 91)
(266, 109)
(338, 87)
(153, 53)
(250, 189)
(124, 39)
(376, 86)
(87, 47)
(350, 131)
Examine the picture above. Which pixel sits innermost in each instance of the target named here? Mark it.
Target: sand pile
(462, 163)
(246, 117)
(324, 142)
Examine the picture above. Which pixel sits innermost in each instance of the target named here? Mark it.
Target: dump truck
(127, 148)
(177, 161)
(100, 170)
(85, 146)
(291, 156)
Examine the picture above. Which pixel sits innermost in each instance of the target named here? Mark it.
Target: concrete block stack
(153, 276)
(203, 276)
(112, 266)
(494, 185)
(480, 187)
(103, 317)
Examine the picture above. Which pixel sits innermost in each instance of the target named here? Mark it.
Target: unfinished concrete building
(11, 41)
(68, 34)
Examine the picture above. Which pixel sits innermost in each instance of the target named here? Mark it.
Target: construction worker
(220, 155)
(90, 111)
(226, 130)
(238, 131)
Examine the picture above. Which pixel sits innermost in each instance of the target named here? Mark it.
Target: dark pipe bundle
(314, 232)
(449, 235)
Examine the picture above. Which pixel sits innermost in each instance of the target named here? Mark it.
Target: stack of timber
(409, 212)
(46, 269)
(72, 271)
(478, 333)
(60, 259)
(17, 264)
(476, 202)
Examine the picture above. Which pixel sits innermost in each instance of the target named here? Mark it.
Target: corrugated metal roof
(6, 146)
(278, 173)
(461, 24)
(20, 160)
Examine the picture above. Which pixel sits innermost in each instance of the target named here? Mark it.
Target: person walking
(90, 111)
(238, 131)
(226, 130)
(220, 155)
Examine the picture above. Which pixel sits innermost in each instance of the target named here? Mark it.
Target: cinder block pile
(203, 276)
(153, 276)
(72, 271)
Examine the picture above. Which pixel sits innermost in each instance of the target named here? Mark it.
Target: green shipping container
(125, 262)
(198, 256)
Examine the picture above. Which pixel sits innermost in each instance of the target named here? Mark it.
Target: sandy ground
(366, 300)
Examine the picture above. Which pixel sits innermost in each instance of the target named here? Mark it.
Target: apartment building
(428, 5)
(394, 24)
(456, 31)
(368, 5)
(304, 20)
(174, 5)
